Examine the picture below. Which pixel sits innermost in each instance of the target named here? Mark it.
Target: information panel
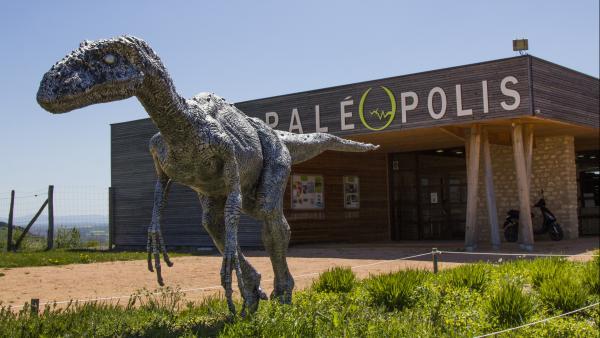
(307, 192)
(351, 192)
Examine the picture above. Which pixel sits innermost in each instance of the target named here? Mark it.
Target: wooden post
(434, 253)
(9, 231)
(111, 215)
(50, 239)
(490, 193)
(472, 187)
(35, 306)
(528, 147)
(525, 225)
(35, 217)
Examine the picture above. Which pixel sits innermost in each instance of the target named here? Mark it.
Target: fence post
(35, 306)
(50, 217)
(434, 253)
(9, 231)
(111, 215)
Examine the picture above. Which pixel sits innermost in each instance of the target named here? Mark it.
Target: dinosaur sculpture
(234, 162)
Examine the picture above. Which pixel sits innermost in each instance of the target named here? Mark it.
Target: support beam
(474, 146)
(525, 225)
(528, 148)
(489, 191)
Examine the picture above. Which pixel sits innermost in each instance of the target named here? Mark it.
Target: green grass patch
(564, 293)
(471, 276)
(63, 257)
(509, 305)
(396, 291)
(338, 279)
(591, 276)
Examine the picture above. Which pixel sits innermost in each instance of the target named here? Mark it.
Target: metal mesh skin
(234, 162)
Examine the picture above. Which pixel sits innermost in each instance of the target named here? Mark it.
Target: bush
(396, 291)
(67, 238)
(542, 269)
(563, 292)
(472, 276)
(338, 279)
(508, 305)
(591, 276)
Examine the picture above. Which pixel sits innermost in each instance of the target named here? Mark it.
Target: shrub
(591, 276)
(542, 269)
(67, 238)
(563, 292)
(508, 305)
(395, 291)
(472, 276)
(338, 279)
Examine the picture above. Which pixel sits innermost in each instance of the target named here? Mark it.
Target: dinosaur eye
(109, 59)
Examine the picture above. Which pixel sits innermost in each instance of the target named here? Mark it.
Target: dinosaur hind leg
(214, 223)
(269, 207)
(276, 237)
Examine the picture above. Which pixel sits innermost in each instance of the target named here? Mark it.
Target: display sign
(351, 192)
(307, 192)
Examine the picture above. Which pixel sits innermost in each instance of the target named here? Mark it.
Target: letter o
(433, 114)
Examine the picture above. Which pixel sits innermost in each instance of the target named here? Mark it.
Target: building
(459, 147)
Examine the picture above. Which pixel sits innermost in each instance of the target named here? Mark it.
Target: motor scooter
(549, 224)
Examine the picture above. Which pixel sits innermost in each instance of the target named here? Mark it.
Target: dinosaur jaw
(57, 97)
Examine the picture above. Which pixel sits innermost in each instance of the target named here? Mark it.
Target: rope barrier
(88, 300)
(514, 254)
(538, 321)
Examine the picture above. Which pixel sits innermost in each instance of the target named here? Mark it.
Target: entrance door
(428, 191)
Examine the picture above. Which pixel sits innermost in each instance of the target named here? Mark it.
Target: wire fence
(84, 208)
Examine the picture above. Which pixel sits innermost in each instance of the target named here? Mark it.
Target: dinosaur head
(96, 72)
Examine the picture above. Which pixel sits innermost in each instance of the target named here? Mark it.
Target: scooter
(550, 225)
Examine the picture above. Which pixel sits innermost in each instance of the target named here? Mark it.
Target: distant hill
(70, 220)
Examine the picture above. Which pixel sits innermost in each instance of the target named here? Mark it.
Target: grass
(63, 257)
(564, 293)
(338, 279)
(471, 276)
(396, 291)
(509, 305)
(421, 304)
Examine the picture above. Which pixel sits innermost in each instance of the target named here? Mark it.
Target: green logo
(378, 113)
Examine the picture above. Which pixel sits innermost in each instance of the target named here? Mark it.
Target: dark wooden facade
(563, 94)
(544, 90)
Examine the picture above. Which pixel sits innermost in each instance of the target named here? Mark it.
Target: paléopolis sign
(379, 107)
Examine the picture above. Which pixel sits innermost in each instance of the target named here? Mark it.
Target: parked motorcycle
(549, 224)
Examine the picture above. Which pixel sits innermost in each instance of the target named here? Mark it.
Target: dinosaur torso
(216, 123)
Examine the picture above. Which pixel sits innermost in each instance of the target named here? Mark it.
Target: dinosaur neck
(167, 109)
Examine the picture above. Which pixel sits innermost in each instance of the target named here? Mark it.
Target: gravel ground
(85, 281)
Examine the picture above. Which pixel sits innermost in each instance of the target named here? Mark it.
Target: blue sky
(244, 50)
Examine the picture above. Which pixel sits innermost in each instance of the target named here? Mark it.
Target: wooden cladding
(563, 94)
(334, 222)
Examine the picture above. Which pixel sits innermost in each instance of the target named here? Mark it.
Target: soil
(86, 281)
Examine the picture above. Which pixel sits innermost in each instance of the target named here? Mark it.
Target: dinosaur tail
(303, 147)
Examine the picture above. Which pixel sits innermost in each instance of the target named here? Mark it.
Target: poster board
(307, 192)
(351, 192)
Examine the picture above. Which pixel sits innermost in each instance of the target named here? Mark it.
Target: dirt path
(85, 281)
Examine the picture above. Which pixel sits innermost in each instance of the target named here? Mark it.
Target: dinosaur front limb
(156, 245)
